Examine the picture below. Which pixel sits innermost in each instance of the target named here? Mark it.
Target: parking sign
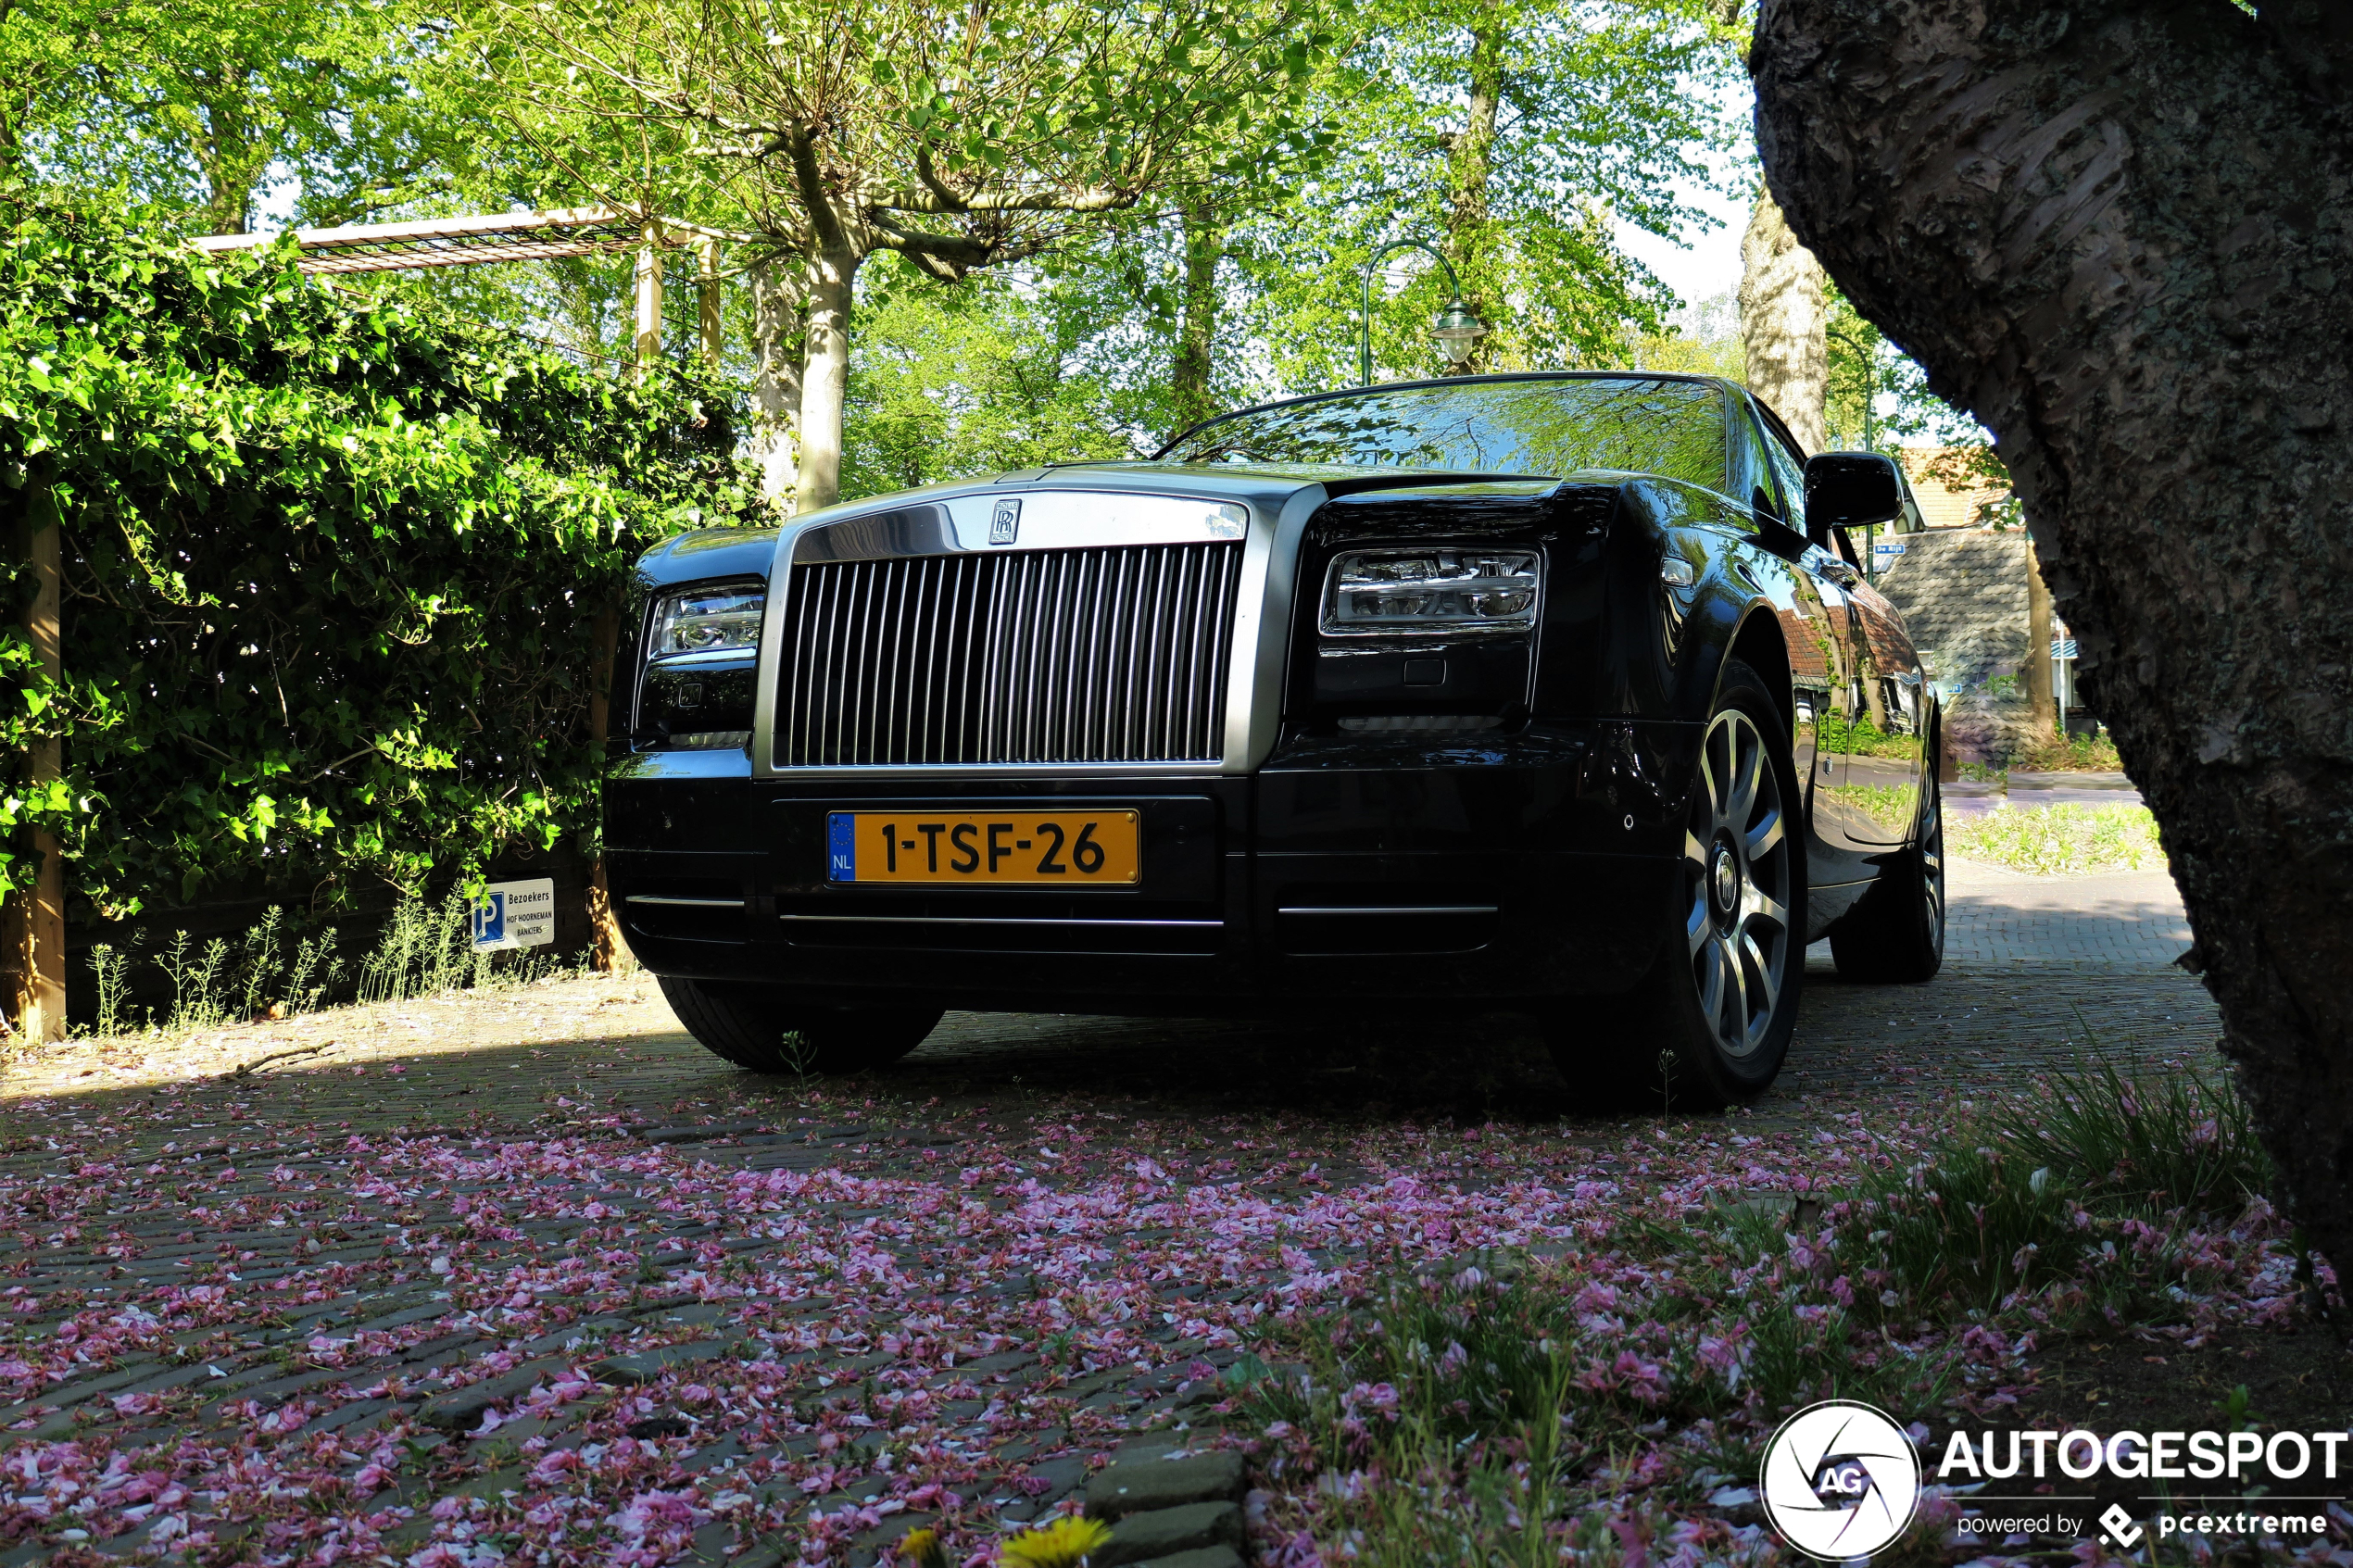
(515, 914)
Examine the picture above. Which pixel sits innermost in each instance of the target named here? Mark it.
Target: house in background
(1962, 585)
(1948, 487)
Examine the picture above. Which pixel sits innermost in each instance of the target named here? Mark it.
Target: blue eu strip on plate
(841, 847)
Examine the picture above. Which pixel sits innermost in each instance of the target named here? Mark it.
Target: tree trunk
(1196, 331)
(1784, 326)
(777, 342)
(2042, 707)
(1470, 173)
(228, 151)
(824, 376)
(2117, 233)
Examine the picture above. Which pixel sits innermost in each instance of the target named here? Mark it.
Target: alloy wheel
(1736, 875)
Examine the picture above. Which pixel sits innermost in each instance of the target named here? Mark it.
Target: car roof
(1719, 382)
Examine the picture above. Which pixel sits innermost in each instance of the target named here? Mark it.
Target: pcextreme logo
(1841, 1480)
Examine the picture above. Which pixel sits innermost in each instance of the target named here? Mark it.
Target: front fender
(1682, 582)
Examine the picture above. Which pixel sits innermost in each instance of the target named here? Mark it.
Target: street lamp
(1456, 329)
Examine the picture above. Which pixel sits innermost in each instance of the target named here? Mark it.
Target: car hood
(1269, 489)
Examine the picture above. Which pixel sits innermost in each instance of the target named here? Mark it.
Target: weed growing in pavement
(199, 990)
(800, 1058)
(423, 949)
(109, 973)
(2234, 1411)
(2058, 840)
(272, 980)
(1483, 1421)
(221, 982)
(315, 970)
(426, 949)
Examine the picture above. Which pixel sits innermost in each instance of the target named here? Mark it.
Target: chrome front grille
(1104, 654)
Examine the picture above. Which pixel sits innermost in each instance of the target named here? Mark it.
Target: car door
(1814, 615)
(1836, 642)
(1884, 782)
(1875, 798)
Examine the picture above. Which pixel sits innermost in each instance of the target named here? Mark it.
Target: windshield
(1538, 428)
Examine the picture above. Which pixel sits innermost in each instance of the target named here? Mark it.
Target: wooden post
(36, 923)
(649, 333)
(605, 941)
(708, 252)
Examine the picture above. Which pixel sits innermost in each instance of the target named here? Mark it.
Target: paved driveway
(528, 1272)
(2122, 919)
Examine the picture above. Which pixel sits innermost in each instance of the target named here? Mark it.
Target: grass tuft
(2176, 1142)
(2069, 754)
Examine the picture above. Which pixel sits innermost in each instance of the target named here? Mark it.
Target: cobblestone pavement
(1997, 916)
(493, 1275)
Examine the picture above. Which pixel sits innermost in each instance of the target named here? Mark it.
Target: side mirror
(1850, 489)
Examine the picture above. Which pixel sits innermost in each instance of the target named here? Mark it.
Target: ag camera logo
(1841, 1480)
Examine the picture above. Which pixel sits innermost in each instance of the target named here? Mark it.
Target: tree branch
(945, 256)
(824, 221)
(1101, 198)
(932, 181)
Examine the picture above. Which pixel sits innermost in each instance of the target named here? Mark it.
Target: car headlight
(708, 620)
(1451, 590)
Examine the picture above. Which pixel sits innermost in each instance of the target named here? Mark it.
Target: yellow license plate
(1036, 849)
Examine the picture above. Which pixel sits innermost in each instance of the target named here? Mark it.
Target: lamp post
(1457, 328)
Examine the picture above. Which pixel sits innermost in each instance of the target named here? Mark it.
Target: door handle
(1908, 678)
(1841, 574)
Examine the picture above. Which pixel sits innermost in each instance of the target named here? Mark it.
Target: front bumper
(1503, 869)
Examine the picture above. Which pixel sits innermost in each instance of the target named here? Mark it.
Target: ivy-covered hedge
(331, 569)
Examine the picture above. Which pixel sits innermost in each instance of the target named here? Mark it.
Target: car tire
(1895, 935)
(1722, 995)
(765, 1029)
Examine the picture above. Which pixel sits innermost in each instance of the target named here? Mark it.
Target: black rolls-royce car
(1529, 692)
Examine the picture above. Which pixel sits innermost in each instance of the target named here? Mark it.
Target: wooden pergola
(35, 926)
(452, 241)
(490, 239)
